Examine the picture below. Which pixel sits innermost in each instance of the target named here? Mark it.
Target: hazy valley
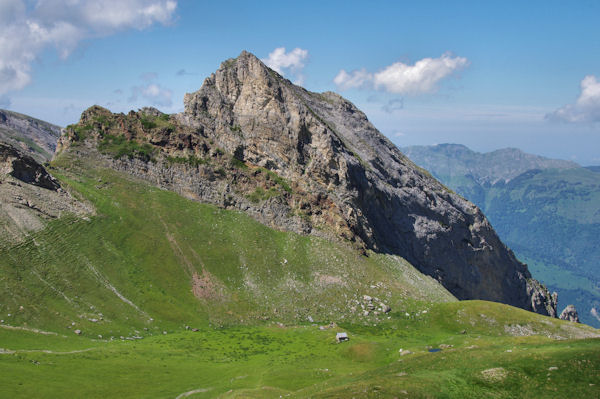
(546, 210)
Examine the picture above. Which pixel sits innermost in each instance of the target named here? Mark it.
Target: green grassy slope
(480, 357)
(151, 261)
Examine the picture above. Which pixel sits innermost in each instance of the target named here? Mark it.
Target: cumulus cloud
(356, 79)
(291, 62)
(153, 93)
(401, 78)
(26, 31)
(587, 106)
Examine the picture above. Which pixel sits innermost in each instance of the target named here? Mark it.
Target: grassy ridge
(150, 259)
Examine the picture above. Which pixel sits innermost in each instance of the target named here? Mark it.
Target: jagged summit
(342, 177)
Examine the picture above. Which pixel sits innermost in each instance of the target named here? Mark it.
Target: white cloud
(106, 16)
(9, 8)
(151, 91)
(401, 78)
(292, 62)
(587, 106)
(280, 60)
(355, 79)
(154, 93)
(27, 31)
(118, 14)
(419, 78)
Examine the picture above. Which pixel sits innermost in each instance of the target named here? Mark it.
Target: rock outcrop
(570, 313)
(25, 168)
(251, 140)
(29, 195)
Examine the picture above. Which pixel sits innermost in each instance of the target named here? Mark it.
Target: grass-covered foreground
(478, 359)
(106, 306)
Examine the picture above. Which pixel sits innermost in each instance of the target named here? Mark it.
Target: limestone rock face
(328, 146)
(570, 313)
(345, 178)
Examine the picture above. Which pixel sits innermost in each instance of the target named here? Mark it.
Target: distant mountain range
(546, 210)
(33, 136)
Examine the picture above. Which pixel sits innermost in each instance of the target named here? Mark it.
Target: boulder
(570, 313)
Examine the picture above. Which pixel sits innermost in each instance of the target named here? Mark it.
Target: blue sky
(481, 73)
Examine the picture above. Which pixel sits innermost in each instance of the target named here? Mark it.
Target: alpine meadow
(184, 218)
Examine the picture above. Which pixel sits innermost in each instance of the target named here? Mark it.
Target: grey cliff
(347, 179)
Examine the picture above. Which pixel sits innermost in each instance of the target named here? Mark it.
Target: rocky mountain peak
(232, 76)
(253, 110)
(339, 174)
